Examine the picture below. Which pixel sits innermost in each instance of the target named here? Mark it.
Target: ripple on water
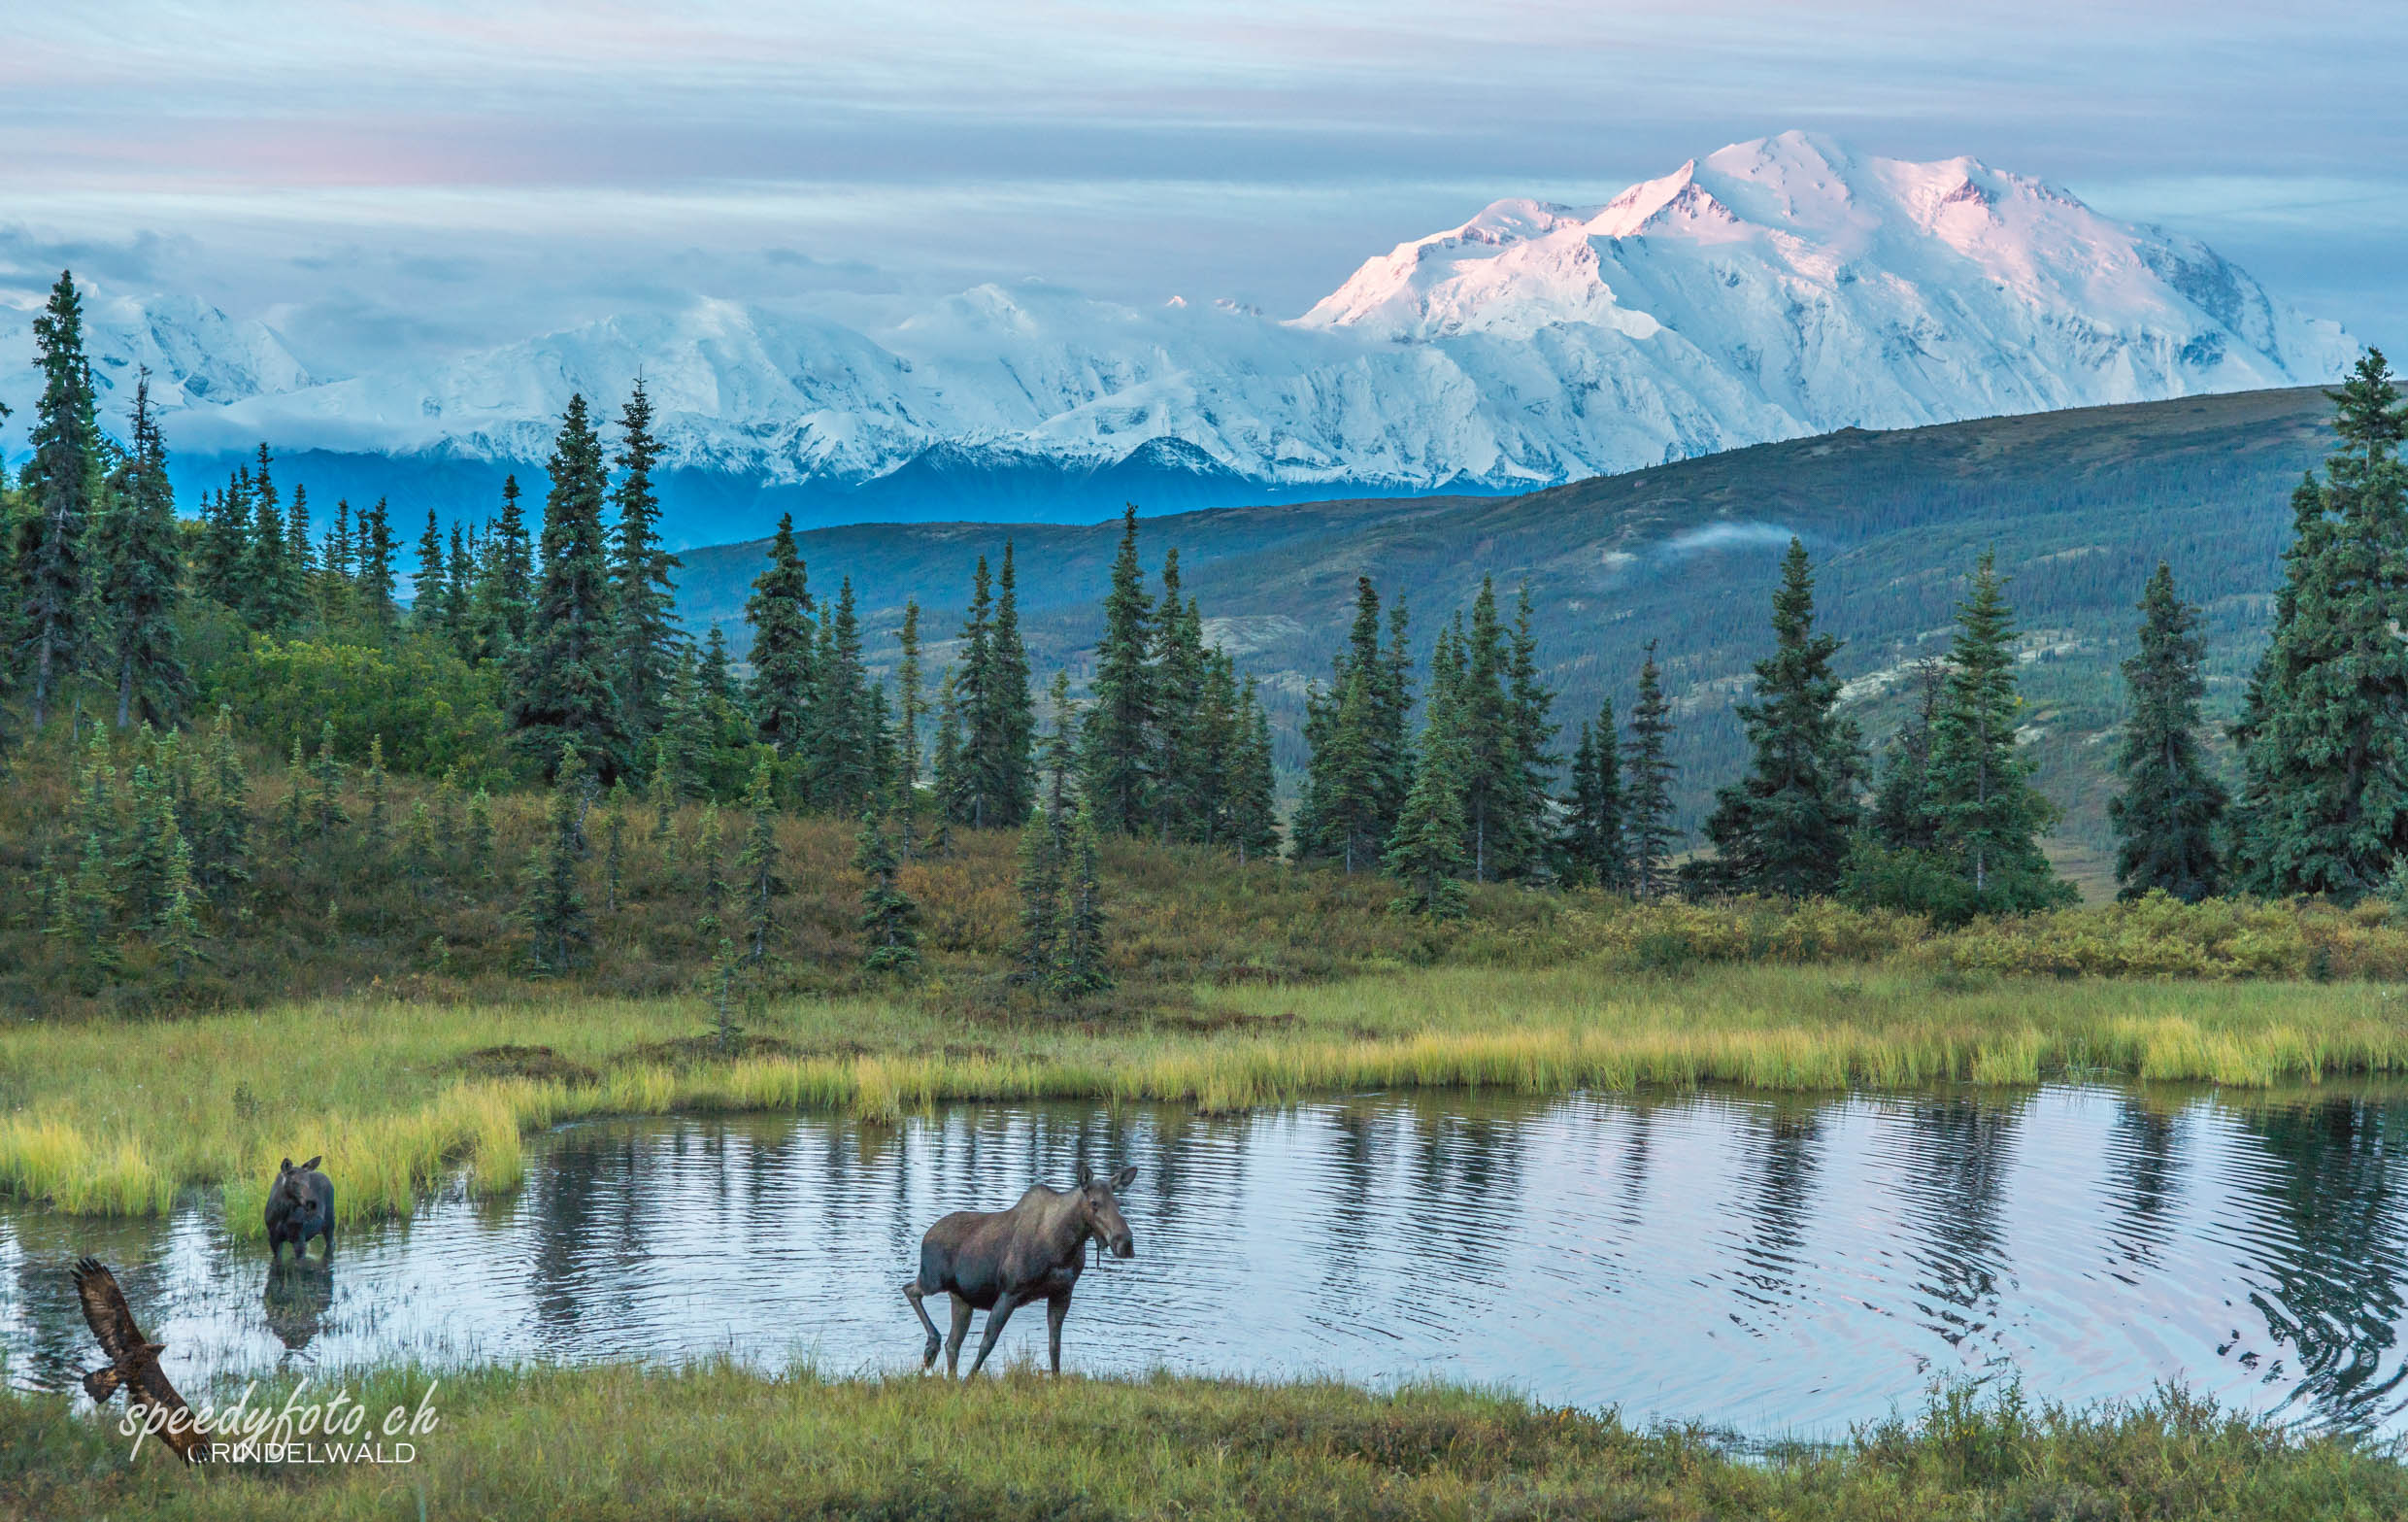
(1773, 1263)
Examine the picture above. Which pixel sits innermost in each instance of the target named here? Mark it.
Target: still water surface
(1770, 1265)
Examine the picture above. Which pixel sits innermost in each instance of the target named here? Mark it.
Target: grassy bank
(103, 1117)
(622, 1442)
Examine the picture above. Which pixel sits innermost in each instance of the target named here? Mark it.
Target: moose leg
(1005, 1304)
(960, 1334)
(911, 1292)
(1056, 1309)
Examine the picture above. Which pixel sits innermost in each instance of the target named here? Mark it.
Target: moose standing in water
(300, 1206)
(997, 1261)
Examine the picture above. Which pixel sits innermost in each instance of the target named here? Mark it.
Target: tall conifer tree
(1117, 756)
(140, 578)
(1783, 831)
(563, 692)
(1648, 776)
(2323, 738)
(2171, 806)
(1990, 818)
(649, 639)
(54, 635)
(783, 646)
(1592, 851)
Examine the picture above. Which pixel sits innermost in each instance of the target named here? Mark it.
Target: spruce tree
(140, 579)
(1426, 851)
(222, 850)
(143, 866)
(298, 554)
(1491, 770)
(650, 640)
(1118, 755)
(709, 859)
(1079, 968)
(177, 935)
(1647, 775)
(53, 635)
(2171, 806)
(1783, 831)
(912, 711)
(783, 646)
(293, 815)
(613, 844)
(375, 581)
(479, 853)
(427, 582)
(508, 586)
(564, 693)
(326, 811)
(376, 832)
(1009, 714)
(1532, 704)
(1252, 825)
(757, 865)
(1901, 818)
(553, 906)
(275, 593)
(459, 597)
(1989, 816)
(1042, 850)
(846, 736)
(1180, 764)
(945, 762)
(418, 847)
(2323, 805)
(220, 559)
(1592, 848)
(890, 918)
(1358, 765)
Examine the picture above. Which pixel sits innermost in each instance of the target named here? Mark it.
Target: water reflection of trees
(2144, 1177)
(2326, 1251)
(1957, 1155)
(1780, 1147)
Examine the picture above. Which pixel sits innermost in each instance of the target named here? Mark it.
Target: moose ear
(313, 1163)
(1087, 1175)
(1126, 1178)
(285, 1167)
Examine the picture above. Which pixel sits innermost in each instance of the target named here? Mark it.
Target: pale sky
(377, 180)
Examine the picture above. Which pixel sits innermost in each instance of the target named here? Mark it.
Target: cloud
(1726, 537)
(535, 157)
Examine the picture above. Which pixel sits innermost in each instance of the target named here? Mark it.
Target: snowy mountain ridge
(1772, 290)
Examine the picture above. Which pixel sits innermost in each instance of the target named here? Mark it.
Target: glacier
(1772, 290)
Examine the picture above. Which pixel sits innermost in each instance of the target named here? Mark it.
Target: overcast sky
(380, 179)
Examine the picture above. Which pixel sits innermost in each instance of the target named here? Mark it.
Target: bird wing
(104, 1311)
(152, 1388)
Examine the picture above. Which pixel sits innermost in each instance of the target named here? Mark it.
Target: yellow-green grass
(118, 1117)
(716, 1442)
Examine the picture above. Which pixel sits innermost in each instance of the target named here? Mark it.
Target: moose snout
(1124, 1245)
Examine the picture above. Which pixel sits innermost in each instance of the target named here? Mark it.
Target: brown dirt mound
(538, 1063)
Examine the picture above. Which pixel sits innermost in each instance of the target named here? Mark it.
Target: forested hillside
(2079, 505)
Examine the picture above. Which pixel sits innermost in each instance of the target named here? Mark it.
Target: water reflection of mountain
(2325, 1254)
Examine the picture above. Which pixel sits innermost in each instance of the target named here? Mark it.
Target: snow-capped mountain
(1775, 288)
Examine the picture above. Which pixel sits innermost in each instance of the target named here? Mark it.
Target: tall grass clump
(403, 1097)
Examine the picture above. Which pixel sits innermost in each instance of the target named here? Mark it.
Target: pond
(1777, 1266)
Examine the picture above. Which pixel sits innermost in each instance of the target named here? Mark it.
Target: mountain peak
(1774, 287)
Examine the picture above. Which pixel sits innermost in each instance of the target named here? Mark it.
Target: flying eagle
(133, 1359)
